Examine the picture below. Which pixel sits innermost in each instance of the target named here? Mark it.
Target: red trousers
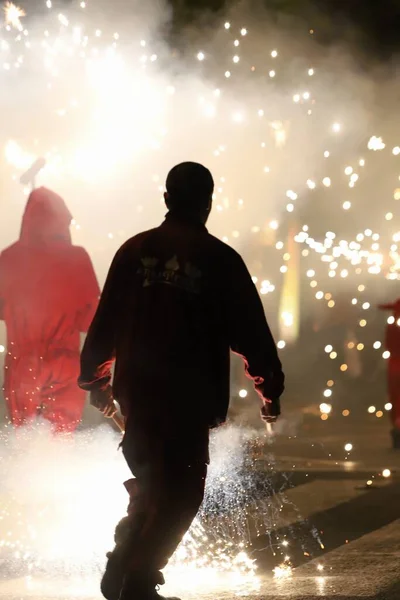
(394, 390)
(44, 386)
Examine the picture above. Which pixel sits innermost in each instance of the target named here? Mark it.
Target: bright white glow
(375, 143)
(348, 447)
(243, 393)
(48, 521)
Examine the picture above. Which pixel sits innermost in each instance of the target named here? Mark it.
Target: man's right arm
(250, 336)
(98, 352)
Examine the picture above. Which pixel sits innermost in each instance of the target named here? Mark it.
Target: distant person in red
(392, 343)
(48, 296)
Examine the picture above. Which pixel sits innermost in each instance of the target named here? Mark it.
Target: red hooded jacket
(48, 295)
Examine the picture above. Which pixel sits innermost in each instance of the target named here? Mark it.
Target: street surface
(354, 551)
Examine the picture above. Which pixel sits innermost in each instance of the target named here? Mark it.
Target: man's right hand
(104, 402)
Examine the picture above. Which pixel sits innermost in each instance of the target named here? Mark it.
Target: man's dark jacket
(175, 302)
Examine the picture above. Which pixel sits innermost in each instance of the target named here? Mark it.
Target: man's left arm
(251, 338)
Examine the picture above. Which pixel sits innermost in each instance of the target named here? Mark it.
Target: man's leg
(170, 479)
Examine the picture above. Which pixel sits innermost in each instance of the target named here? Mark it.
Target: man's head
(190, 187)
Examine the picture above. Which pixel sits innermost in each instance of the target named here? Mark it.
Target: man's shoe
(113, 578)
(143, 588)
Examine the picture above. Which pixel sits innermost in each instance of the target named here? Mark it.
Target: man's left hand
(270, 411)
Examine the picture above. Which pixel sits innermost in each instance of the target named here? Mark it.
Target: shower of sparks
(61, 528)
(13, 14)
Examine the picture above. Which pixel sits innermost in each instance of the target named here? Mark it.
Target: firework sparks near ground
(58, 516)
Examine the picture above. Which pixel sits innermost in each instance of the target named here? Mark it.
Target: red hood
(46, 218)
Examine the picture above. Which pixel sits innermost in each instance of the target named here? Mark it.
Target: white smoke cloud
(113, 105)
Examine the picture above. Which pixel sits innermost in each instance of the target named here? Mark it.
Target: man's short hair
(190, 181)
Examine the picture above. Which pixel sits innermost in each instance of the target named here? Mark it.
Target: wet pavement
(367, 568)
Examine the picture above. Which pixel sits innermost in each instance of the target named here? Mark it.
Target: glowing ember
(13, 14)
(283, 571)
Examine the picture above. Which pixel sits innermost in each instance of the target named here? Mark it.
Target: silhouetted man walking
(175, 302)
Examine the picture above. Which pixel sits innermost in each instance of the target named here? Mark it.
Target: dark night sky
(373, 25)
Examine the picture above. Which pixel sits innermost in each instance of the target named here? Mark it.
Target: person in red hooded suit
(392, 343)
(48, 296)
